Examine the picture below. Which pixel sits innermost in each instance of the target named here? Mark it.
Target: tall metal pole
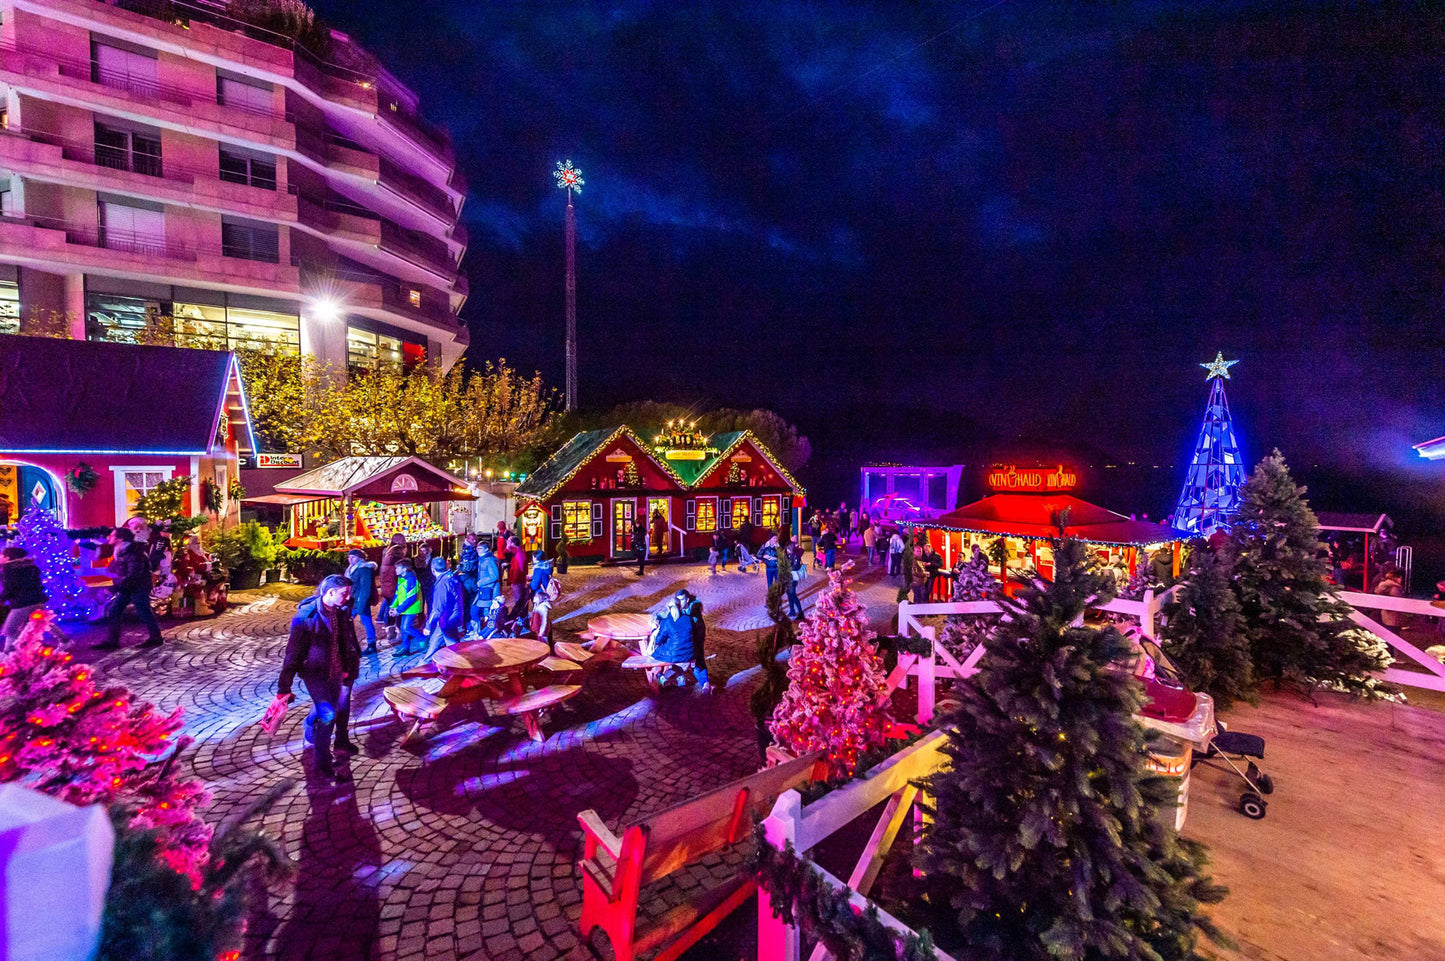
(569, 178)
(571, 304)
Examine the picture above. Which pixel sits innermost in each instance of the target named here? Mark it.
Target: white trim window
(131, 483)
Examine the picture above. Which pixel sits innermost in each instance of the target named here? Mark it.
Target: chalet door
(657, 546)
(624, 512)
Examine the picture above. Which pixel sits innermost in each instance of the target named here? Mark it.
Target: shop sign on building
(279, 460)
(1011, 477)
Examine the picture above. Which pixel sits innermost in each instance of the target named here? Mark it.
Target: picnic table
(629, 630)
(485, 669)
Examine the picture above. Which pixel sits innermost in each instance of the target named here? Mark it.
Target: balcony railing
(179, 11)
(115, 158)
(426, 252)
(417, 190)
(143, 87)
(148, 244)
(394, 295)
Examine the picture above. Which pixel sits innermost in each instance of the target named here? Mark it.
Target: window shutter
(692, 515)
(757, 510)
(727, 513)
(596, 520)
(556, 521)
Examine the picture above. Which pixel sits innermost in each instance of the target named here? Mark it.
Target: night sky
(955, 229)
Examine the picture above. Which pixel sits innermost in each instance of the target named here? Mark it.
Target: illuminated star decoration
(568, 177)
(1218, 367)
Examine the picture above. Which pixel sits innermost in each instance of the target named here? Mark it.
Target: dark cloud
(1038, 215)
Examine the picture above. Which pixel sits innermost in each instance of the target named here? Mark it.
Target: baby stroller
(746, 561)
(1233, 750)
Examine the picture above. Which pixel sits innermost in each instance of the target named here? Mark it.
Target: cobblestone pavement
(463, 846)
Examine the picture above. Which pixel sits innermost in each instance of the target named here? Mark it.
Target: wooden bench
(616, 869)
(412, 704)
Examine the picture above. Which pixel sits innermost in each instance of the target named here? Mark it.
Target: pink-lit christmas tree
(64, 734)
(837, 697)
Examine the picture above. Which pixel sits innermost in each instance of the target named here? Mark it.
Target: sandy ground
(1346, 864)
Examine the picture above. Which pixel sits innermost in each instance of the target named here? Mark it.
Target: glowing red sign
(1011, 477)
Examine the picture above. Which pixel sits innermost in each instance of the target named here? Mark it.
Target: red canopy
(1032, 516)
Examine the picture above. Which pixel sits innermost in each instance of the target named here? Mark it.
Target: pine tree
(64, 734)
(1203, 630)
(47, 542)
(1299, 630)
(1048, 837)
(837, 697)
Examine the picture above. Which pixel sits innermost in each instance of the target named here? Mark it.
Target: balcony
(419, 192)
(426, 252)
(85, 84)
(56, 245)
(369, 292)
(41, 155)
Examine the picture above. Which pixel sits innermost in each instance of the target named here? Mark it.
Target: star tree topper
(569, 178)
(1218, 367)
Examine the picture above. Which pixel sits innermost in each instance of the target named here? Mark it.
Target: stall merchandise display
(412, 521)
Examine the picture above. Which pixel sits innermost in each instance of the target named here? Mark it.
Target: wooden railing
(807, 826)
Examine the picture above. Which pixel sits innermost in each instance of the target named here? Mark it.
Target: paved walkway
(463, 846)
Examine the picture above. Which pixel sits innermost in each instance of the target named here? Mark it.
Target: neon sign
(1011, 477)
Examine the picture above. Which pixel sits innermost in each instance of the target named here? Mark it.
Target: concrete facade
(204, 169)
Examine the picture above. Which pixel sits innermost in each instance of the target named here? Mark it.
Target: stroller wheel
(1265, 783)
(1251, 805)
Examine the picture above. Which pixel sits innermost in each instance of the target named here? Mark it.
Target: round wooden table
(626, 629)
(500, 655)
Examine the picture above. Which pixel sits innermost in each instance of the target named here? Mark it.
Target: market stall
(365, 500)
(1024, 517)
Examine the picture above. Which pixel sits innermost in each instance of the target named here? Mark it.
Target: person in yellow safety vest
(407, 608)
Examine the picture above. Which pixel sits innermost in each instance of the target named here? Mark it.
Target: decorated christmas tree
(1203, 630)
(963, 632)
(1299, 630)
(837, 699)
(1046, 840)
(47, 542)
(63, 733)
(1211, 484)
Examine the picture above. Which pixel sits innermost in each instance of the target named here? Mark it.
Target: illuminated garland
(602, 444)
(762, 449)
(797, 893)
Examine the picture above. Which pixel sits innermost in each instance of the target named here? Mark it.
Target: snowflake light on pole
(569, 178)
(1211, 485)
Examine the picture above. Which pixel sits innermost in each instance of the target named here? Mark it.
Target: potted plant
(244, 552)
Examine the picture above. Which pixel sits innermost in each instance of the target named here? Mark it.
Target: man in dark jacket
(488, 583)
(691, 608)
(639, 545)
(362, 574)
(21, 591)
(448, 617)
(323, 650)
(468, 563)
(130, 573)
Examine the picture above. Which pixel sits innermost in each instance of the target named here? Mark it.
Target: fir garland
(798, 893)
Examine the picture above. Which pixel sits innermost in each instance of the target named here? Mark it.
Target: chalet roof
(1361, 523)
(558, 469)
(731, 441)
(344, 476)
(1032, 516)
(95, 397)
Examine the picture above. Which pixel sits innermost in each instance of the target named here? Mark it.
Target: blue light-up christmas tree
(1210, 496)
(47, 542)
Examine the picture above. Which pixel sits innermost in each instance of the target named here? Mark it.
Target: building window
(239, 168)
(266, 329)
(249, 95)
(136, 151)
(124, 69)
(741, 507)
(771, 508)
(140, 230)
(9, 307)
(248, 240)
(133, 482)
(623, 513)
(7, 202)
(369, 349)
(577, 521)
(706, 515)
(413, 296)
(200, 325)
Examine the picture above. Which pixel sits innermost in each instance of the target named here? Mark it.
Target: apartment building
(161, 159)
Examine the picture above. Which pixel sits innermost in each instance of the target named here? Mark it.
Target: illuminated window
(770, 512)
(200, 325)
(275, 331)
(623, 513)
(413, 297)
(368, 349)
(706, 514)
(9, 307)
(577, 521)
(133, 482)
(741, 510)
